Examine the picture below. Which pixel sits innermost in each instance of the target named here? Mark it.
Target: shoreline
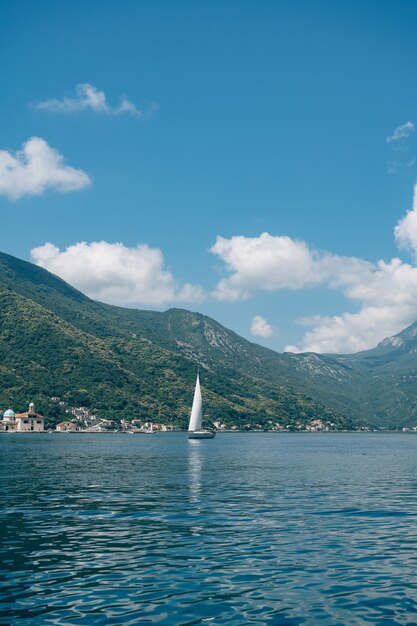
(221, 432)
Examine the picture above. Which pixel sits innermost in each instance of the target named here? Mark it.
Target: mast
(196, 417)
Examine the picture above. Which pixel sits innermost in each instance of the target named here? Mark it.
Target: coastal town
(81, 420)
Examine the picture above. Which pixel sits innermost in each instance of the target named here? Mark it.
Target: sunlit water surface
(243, 529)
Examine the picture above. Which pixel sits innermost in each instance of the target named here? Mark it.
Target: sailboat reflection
(195, 464)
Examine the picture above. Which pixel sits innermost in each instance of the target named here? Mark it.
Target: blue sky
(245, 118)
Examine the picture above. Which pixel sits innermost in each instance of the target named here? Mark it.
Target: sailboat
(195, 429)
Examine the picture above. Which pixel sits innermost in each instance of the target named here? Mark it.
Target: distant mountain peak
(395, 341)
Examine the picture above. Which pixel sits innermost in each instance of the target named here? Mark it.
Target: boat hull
(201, 434)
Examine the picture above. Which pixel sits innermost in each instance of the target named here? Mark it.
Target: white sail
(196, 417)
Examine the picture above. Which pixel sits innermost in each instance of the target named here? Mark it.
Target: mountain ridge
(56, 342)
(246, 383)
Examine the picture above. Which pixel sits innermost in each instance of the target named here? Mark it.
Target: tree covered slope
(127, 363)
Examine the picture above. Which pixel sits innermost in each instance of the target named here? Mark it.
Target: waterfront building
(9, 420)
(29, 421)
(67, 427)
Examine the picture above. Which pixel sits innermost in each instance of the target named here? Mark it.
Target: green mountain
(126, 363)
(376, 387)
(390, 372)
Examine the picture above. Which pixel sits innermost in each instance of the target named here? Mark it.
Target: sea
(244, 529)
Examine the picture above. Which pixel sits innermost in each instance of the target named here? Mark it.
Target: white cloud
(406, 229)
(89, 97)
(271, 263)
(387, 297)
(264, 262)
(401, 132)
(116, 274)
(261, 328)
(385, 293)
(36, 168)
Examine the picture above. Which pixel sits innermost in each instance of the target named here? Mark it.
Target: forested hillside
(127, 363)
(124, 363)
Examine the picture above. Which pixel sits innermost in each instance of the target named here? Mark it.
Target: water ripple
(244, 529)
